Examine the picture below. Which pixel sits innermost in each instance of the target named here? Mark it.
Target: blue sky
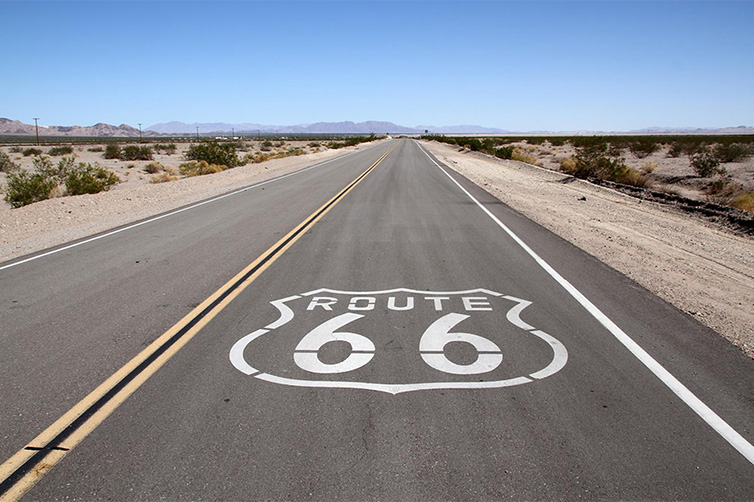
(519, 66)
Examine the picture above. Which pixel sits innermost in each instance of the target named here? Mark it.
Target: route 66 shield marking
(419, 355)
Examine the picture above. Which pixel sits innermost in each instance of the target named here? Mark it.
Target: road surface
(374, 327)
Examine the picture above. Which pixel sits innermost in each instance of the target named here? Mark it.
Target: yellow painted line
(20, 472)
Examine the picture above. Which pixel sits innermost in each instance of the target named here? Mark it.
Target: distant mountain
(347, 127)
(206, 127)
(698, 130)
(15, 127)
(461, 129)
(317, 128)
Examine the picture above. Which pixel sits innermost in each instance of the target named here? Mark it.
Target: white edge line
(129, 227)
(705, 412)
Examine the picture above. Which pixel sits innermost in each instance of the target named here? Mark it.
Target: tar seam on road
(171, 213)
(697, 405)
(26, 467)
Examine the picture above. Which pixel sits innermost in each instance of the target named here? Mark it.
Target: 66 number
(431, 347)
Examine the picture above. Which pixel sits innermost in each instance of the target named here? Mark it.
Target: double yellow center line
(19, 473)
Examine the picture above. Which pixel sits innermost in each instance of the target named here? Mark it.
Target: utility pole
(232, 133)
(36, 126)
(139, 132)
(197, 133)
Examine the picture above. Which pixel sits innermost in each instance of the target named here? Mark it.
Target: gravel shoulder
(56, 221)
(701, 268)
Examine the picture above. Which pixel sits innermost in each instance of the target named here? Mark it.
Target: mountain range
(10, 127)
(347, 127)
(18, 128)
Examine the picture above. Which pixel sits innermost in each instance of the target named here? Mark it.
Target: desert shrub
(112, 151)
(473, 144)
(568, 165)
(96, 149)
(504, 152)
(15, 149)
(488, 144)
(60, 150)
(520, 156)
(135, 152)
(629, 176)
(168, 148)
(313, 144)
(54, 172)
(597, 160)
(734, 152)
(89, 179)
(706, 163)
(556, 141)
(32, 151)
(6, 164)
(256, 159)
(267, 143)
(675, 150)
(25, 188)
(200, 168)
(688, 145)
(213, 152)
(744, 201)
(163, 178)
(643, 147)
(154, 167)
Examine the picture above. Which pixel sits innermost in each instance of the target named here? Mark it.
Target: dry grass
(520, 156)
(568, 165)
(165, 177)
(200, 168)
(154, 167)
(744, 201)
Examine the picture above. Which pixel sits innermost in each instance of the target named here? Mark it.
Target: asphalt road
(401, 345)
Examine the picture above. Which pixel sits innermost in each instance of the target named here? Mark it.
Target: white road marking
(705, 412)
(108, 234)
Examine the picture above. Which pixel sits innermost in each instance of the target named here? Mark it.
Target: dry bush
(744, 201)
(256, 159)
(705, 163)
(631, 177)
(200, 168)
(568, 165)
(163, 178)
(154, 167)
(523, 157)
(6, 164)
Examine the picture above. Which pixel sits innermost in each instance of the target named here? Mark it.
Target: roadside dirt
(700, 267)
